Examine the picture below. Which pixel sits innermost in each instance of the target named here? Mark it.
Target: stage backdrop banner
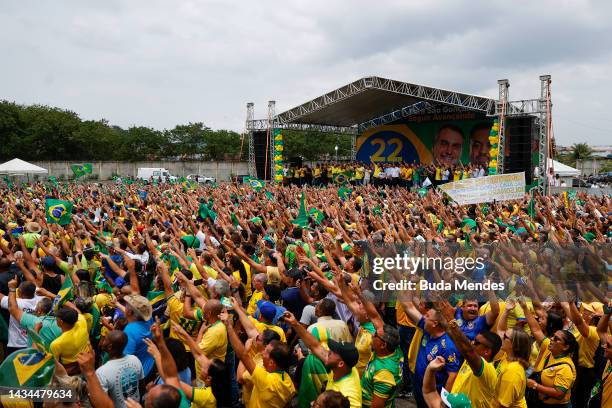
(447, 136)
(500, 187)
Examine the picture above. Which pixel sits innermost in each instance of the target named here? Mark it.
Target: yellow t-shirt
(479, 387)
(202, 397)
(349, 386)
(363, 343)
(261, 326)
(543, 355)
(214, 341)
(587, 347)
(515, 315)
(606, 398)
(72, 342)
(252, 306)
(438, 174)
(270, 390)
(511, 385)
(560, 376)
(175, 313)
(401, 317)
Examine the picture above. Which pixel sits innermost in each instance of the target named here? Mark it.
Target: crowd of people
(391, 174)
(226, 296)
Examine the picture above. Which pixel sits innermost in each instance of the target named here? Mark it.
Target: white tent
(564, 170)
(19, 167)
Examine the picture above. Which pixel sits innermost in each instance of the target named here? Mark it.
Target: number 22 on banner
(382, 146)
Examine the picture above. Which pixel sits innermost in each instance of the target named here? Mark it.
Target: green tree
(581, 151)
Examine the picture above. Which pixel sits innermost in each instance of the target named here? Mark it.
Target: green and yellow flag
(344, 192)
(64, 294)
(341, 178)
(302, 218)
(58, 211)
(53, 181)
(256, 183)
(80, 170)
(27, 368)
(317, 215)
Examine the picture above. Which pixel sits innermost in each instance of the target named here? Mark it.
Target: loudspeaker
(259, 147)
(520, 134)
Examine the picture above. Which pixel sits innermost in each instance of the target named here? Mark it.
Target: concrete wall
(107, 170)
(592, 166)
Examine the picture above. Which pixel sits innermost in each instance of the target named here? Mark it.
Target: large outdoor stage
(394, 121)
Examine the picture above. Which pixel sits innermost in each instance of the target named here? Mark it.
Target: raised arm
(309, 340)
(237, 345)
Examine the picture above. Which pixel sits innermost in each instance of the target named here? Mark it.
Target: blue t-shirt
(471, 328)
(136, 332)
(431, 348)
(293, 301)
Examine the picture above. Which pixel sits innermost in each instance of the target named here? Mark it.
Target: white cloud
(160, 63)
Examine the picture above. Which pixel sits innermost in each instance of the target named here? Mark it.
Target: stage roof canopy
(373, 101)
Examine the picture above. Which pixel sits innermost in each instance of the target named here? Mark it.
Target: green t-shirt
(30, 239)
(381, 377)
(49, 330)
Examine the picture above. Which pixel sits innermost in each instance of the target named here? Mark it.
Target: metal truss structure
(545, 130)
(409, 110)
(502, 106)
(249, 131)
(262, 124)
(426, 93)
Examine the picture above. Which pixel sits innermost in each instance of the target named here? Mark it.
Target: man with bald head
(121, 376)
(214, 340)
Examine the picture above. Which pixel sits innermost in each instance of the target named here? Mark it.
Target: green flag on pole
(302, 218)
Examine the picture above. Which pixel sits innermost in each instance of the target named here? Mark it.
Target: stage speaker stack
(259, 147)
(520, 134)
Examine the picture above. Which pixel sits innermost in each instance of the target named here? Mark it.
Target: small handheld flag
(64, 294)
(58, 211)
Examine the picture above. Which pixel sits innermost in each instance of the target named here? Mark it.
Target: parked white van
(145, 173)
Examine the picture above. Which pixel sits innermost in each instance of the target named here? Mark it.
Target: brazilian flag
(80, 170)
(64, 294)
(317, 215)
(27, 368)
(344, 192)
(256, 183)
(341, 178)
(58, 211)
(53, 181)
(187, 185)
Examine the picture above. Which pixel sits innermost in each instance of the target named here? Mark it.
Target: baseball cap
(140, 305)
(267, 310)
(48, 261)
(347, 351)
(459, 400)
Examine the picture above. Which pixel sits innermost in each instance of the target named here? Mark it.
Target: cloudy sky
(160, 63)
